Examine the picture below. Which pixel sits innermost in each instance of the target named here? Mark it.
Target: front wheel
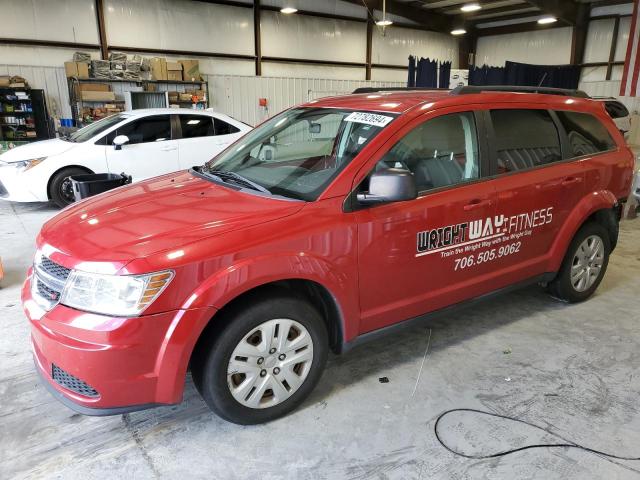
(584, 265)
(265, 362)
(60, 187)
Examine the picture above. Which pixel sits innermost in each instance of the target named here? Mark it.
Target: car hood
(153, 216)
(44, 148)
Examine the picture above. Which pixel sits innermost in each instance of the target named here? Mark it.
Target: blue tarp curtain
(524, 74)
(423, 72)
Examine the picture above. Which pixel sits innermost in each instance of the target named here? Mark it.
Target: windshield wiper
(225, 176)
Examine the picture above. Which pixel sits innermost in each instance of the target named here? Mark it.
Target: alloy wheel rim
(587, 263)
(66, 189)
(270, 363)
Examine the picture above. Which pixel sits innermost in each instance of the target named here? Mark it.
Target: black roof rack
(463, 90)
(397, 89)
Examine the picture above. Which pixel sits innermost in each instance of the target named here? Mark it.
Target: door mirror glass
(389, 185)
(119, 141)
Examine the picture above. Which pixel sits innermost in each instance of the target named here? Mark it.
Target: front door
(150, 151)
(421, 255)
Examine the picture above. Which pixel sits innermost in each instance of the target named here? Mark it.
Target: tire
(582, 287)
(60, 190)
(255, 401)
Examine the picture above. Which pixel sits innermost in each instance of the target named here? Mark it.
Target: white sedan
(141, 143)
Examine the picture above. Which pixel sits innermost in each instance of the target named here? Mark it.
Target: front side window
(585, 133)
(298, 153)
(440, 152)
(525, 139)
(193, 126)
(156, 128)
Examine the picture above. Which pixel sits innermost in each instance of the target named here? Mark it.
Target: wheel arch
(88, 170)
(602, 207)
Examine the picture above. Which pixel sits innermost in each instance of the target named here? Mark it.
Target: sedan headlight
(25, 165)
(116, 295)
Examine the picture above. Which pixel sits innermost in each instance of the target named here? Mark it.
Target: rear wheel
(265, 362)
(584, 264)
(60, 188)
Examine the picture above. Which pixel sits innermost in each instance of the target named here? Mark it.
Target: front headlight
(25, 165)
(116, 295)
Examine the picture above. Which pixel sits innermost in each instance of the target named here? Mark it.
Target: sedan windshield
(96, 128)
(299, 152)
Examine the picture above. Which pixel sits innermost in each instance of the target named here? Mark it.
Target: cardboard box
(185, 97)
(95, 87)
(158, 68)
(174, 66)
(174, 75)
(76, 69)
(95, 96)
(5, 80)
(190, 70)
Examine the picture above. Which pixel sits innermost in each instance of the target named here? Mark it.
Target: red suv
(330, 224)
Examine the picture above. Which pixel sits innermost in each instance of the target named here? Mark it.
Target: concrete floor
(572, 368)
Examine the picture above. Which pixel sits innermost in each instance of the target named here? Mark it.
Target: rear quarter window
(586, 134)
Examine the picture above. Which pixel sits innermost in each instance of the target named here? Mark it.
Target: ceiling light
(384, 23)
(547, 20)
(458, 31)
(471, 7)
(288, 10)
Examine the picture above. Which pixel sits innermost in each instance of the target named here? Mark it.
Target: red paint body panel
(221, 243)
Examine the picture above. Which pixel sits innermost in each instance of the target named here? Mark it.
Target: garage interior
(568, 368)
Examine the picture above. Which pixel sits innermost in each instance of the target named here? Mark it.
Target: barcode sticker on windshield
(368, 118)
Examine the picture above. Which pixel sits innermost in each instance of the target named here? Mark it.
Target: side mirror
(389, 185)
(119, 141)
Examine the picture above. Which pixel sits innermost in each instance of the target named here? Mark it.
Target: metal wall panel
(623, 39)
(610, 88)
(238, 96)
(38, 56)
(543, 47)
(300, 36)
(599, 36)
(63, 21)
(395, 46)
(274, 69)
(179, 25)
(335, 7)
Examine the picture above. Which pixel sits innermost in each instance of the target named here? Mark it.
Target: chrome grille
(54, 269)
(72, 383)
(48, 281)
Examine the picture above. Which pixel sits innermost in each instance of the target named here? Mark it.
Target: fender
(246, 274)
(594, 201)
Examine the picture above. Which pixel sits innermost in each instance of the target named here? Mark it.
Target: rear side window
(196, 126)
(525, 139)
(585, 133)
(224, 128)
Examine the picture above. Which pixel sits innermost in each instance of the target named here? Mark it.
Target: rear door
(150, 152)
(420, 255)
(537, 183)
(202, 138)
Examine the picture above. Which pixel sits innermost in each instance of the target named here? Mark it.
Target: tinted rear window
(525, 139)
(585, 133)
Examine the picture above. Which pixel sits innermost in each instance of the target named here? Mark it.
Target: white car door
(203, 137)
(150, 151)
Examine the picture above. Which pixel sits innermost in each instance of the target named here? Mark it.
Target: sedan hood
(153, 216)
(44, 148)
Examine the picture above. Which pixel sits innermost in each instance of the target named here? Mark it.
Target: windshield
(96, 128)
(298, 153)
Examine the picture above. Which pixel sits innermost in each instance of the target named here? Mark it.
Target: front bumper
(18, 186)
(126, 364)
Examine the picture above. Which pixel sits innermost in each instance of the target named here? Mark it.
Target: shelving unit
(22, 119)
(119, 86)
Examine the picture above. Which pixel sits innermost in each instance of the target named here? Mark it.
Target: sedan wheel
(587, 263)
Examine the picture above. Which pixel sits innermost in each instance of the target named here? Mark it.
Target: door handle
(571, 180)
(168, 149)
(477, 203)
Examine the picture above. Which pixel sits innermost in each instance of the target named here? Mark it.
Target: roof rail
(397, 89)
(463, 90)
